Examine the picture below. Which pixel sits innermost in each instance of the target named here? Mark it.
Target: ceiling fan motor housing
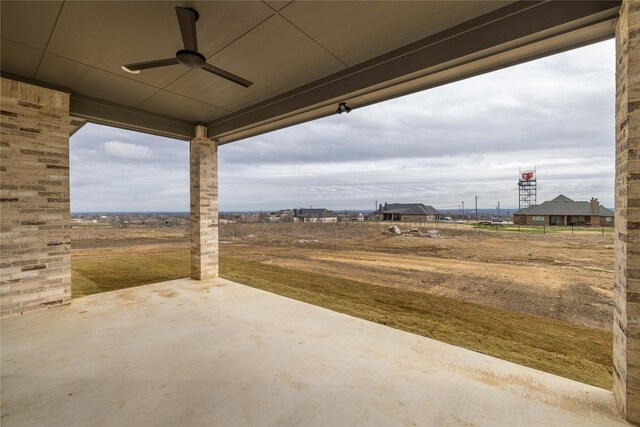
(191, 59)
(195, 12)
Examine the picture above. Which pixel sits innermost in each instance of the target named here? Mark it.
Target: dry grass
(566, 349)
(94, 275)
(573, 351)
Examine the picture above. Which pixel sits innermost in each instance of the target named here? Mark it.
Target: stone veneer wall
(204, 206)
(626, 327)
(35, 240)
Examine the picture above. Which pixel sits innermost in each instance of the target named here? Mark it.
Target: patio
(214, 352)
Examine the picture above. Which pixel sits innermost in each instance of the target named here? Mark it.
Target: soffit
(29, 22)
(19, 59)
(170, 104)
(355, 31)
(276, 5)
(513, 34)
(75, 124)
(293, 59)
(92, 81)
(106, 35)
(281, 46)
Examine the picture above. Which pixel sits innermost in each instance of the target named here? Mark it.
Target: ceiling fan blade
(187, 20)
(227, 75)
(151, 64)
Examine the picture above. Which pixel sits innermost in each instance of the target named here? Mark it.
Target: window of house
(538, 219)
(608, 220)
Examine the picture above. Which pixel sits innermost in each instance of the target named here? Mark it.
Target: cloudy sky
(440, 147)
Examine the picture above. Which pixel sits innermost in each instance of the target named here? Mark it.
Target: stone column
(35, 239)
(204, 206)
(626, 326)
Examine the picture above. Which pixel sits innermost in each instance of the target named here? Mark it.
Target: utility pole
(463, 209)
(476, 207)
(498, 209)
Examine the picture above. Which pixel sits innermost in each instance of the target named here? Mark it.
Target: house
(564, 211)
(314, 215)
(358, 217)
(407, 212)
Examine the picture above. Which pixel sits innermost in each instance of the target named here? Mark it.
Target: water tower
(527, 189)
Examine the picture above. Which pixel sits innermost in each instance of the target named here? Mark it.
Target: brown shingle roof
(408, 209)
(562, 205)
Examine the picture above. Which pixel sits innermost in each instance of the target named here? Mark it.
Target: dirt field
(560, 276)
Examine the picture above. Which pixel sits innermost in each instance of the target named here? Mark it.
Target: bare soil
(561, 276)
(88, 242)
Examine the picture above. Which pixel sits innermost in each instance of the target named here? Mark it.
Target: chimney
(595, 206)
(385, 206)
(380, 207)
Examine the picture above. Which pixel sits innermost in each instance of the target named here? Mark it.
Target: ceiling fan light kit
(189, 56)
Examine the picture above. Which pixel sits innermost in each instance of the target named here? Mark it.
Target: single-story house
(407, 212)
(314, 215)
(564, 211)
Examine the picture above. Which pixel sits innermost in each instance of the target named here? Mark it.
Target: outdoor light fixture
(343, 108)
(130, 71)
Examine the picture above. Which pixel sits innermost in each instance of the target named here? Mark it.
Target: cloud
(441, 147)
(444, 145)
(126, 150)
(116, 170)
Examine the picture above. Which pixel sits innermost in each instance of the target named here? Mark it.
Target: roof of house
(408, 209)
(562, 205)
(314, 213)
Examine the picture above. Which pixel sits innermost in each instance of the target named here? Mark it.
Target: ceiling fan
(189, 56)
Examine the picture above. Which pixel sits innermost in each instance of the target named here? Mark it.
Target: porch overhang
(389, 53)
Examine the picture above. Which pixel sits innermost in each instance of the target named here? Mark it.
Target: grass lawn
(94, 275)
(548, 229)
(573, 351)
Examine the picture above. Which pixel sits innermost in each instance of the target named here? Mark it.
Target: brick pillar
(35, 240)
(204, 206)
(626, 327)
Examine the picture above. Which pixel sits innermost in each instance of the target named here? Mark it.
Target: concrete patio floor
(219, 353)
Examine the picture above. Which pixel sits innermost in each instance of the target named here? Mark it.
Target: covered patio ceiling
(303, 56)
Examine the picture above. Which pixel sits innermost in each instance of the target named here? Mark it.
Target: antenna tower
(527, 189)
